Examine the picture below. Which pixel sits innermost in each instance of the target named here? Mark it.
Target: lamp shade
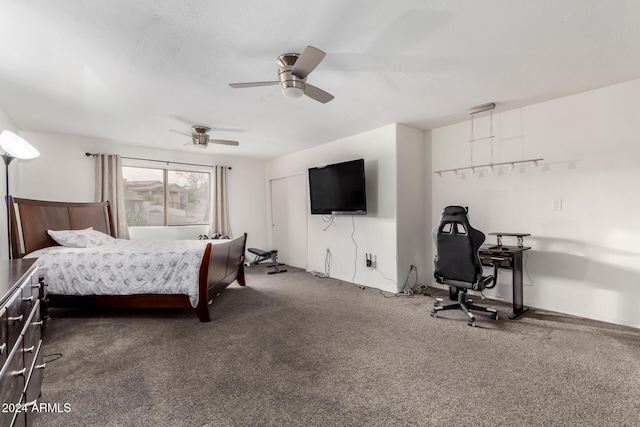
(16, 146)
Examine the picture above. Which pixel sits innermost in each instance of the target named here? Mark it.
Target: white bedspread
(125, 267)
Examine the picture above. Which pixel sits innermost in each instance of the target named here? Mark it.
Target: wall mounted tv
(338, 189)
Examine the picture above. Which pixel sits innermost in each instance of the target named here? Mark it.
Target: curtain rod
(159, 161)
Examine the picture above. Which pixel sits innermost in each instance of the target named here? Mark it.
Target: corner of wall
(428, 197)
(411, 203)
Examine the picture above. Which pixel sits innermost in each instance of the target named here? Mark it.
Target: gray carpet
(295, 350)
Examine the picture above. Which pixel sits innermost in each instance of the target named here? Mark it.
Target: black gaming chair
(457, 263)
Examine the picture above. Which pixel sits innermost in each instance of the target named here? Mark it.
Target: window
(165, 197)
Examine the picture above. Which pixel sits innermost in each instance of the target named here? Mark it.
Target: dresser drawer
(34, 380)
(31, 335)
(4, 347)
(30, 294)
(17, 315)
(12, 382)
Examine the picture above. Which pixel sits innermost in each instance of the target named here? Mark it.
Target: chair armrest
(494, 278)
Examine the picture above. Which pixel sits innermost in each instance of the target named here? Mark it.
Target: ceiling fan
(200, 137)
(292, 75)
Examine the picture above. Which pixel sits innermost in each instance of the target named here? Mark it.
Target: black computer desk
(508, 257)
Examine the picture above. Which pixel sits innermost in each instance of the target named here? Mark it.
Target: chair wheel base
(465, 305)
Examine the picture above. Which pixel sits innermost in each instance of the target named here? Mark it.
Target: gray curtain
(219, 203)
(110, 188)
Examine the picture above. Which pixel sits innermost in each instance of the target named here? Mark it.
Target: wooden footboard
(222, 264)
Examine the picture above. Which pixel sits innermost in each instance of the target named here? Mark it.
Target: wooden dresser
(21, 325)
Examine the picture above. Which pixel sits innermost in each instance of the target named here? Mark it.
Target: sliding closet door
(289, 219)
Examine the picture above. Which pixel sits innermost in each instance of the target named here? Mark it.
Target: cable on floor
(53, 356)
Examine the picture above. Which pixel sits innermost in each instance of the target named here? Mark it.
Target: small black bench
(267, 255)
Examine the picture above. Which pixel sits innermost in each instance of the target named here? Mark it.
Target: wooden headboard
(30, 220)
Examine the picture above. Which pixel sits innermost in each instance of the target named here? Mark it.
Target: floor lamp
(14, 147)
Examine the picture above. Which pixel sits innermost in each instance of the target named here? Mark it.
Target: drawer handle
(40, 366)
(19, 373)
(35, 286)
(3, 347)
(38, 323)
(17, 318)
(30, 349)
(31, 404)
(28, 298)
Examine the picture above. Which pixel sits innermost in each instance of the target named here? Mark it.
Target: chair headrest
(454, 211)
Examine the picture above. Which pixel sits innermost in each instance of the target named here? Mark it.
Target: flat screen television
(338, 189)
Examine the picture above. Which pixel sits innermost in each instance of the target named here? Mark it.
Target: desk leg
(518, 307)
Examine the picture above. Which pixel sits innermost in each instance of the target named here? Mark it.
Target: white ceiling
(129, 71)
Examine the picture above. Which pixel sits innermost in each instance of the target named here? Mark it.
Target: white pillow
(86, 238)
(70, 238)
(97, 238)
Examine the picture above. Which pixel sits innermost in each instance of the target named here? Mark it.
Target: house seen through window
(166, 197)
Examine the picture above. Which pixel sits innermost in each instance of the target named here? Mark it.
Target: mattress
(124, 267)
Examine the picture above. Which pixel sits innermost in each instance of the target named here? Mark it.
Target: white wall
(64, 173)
(585, 258)
(374, 233)
(412, 171)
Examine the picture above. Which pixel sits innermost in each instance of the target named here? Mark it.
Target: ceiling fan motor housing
(200, 136)
(200, 139)
(287, 79)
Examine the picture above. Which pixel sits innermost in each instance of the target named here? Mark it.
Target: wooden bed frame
(221, 264)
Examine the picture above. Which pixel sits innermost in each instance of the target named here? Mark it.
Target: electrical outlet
(369, 260)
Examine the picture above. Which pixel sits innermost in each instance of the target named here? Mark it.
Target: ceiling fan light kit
(292, 92)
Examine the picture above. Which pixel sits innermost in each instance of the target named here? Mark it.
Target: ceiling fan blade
(252, 84)
(182, 133)
(317, 93)
(224, 142)
(307, 61)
